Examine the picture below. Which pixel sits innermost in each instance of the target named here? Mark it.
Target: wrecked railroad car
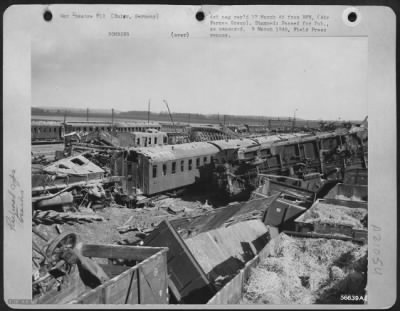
(150, 138)
(72, 272)
(235, 163)
(158, 169)
(206, 251)
(333, 218)
(142, 139)
(295, 155)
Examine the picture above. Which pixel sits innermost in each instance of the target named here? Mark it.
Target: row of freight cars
(47, 131)
(54, 131)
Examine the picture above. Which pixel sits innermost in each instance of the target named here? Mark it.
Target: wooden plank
(346, 203)
(94, 296)
(118, 251)
(152, 281)
(317, 235)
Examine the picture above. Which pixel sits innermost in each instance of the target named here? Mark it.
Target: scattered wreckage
(301, 186)
(68, 271)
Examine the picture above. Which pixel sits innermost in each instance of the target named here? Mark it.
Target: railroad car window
(34, 129)
(55, 129)
(149, 140)
(154, 171)
(155, 140)
(165, 139)
(84, 129)
(190, 165)
(205, 160)
(138, 141)
(197, 162)
(164, 169)
(44, 130)
(182, 165)
(173, 169)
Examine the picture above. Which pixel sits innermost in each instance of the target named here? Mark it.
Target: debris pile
(334, 214)
(307, 271)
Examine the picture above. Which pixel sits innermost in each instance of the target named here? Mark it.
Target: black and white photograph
(219, 162)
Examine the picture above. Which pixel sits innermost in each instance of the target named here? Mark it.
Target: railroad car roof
(140, 134)
(225, 144)
(180, 151)
(118, 123)
(45, 123)
(135, 124)
(267, 139)
(88, 124)
(327, 134)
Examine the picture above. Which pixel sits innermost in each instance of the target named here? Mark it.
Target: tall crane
(170, 115)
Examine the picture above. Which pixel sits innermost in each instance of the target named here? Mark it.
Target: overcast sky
(320, 77)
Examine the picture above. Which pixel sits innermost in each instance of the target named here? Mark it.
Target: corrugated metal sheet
(181, 151)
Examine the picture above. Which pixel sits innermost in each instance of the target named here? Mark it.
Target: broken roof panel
(76, 165)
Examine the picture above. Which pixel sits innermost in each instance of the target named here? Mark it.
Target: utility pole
(87, 114)
(64, 125)
(148, 112)
(294, 119)
(224, 119)
(112, 116)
